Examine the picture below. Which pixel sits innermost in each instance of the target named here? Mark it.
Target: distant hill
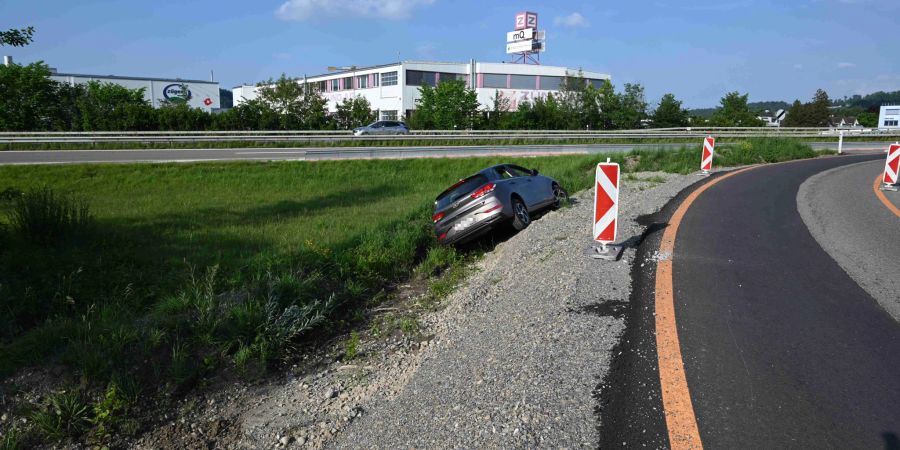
(870, 102)
(754, 106)
(856, 103)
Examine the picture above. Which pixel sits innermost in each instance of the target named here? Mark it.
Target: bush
(45, 216)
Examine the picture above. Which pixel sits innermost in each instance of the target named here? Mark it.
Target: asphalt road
(326, 153)
(781, 347)
(859, 232)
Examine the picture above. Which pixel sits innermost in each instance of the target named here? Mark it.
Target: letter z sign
(526, 20)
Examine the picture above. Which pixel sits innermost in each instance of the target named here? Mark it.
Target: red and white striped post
(709, 149)
(891, 168)
(606, 211)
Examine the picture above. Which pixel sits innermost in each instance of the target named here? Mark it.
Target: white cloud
(572, 20)
(329, 9)
(845, 65)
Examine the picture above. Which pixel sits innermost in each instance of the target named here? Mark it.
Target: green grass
(190, 269)
(229, 261)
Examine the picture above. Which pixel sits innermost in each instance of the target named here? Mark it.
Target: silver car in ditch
(500, 194)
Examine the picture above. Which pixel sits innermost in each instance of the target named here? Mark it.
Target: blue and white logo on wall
(177, 93)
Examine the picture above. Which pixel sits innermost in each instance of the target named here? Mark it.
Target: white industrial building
(392, 89)
(889, 117)
(200, 94)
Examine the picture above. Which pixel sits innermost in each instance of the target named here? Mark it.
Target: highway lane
(327, 153)
(781, 347)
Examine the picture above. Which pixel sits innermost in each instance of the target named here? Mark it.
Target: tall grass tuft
(65, 415)
(45, 216)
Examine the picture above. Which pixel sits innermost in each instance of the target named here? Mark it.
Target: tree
(499, 112)
(180, 116)
(355, 112)
(253, 114)
(17, 38)
(27, 97)
(111, 107)
(633, 108)
(450, 105)
(796, 116)
(819, 111)
(735, 112)
(813, 114)
(297, 106)
(669, 113)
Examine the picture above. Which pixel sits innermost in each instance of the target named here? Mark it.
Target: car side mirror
(534, 172)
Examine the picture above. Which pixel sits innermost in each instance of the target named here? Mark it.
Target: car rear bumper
(474, 223)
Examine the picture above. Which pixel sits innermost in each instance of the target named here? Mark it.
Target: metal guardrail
(326, 136)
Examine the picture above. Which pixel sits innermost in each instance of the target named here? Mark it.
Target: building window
(890, 123)
(596, 83)
(550, 83)
(375, 79)
(348, 83)
(494, 80)
(322, 86)
(418, 78)
(522, 82)
(336, 84)
(362, 82)
(444, 76)
(389, 79)
(891, 112)
(389, 115)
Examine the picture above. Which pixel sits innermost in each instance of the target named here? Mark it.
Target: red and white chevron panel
(709, 147)
(606, 202)
(892, 165)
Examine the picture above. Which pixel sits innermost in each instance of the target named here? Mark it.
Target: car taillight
(441, 237)
(483, 190)
(435, 218)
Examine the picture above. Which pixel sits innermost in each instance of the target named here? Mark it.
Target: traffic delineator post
(709, 149)
(606, 211)
(891, 168)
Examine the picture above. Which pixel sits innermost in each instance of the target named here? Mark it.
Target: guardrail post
(841, 143)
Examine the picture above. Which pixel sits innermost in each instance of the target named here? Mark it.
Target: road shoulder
(855, 229)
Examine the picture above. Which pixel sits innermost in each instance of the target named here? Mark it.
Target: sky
(697, 50)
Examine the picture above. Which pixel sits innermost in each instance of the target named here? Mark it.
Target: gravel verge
(520, 351)
(514, 357)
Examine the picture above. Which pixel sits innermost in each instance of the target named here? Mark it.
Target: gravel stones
(523, 345)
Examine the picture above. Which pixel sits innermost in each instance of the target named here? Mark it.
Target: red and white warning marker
(709, 149)
(606, 210)
(891, 168)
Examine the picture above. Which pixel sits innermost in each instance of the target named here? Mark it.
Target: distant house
(889, 117)
(773, 119)
(844, 122)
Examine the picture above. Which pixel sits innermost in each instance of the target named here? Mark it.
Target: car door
(522, 183)
(532, 185)
(377, 128)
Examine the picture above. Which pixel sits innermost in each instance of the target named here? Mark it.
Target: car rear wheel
(521, 218)
(560, 195)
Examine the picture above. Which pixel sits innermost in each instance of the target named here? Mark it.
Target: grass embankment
(144, 279)
(412, 142)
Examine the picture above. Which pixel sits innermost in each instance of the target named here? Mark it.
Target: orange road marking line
(681, 422)
(882, 197)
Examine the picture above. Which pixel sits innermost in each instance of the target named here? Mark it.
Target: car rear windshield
(459, 190)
